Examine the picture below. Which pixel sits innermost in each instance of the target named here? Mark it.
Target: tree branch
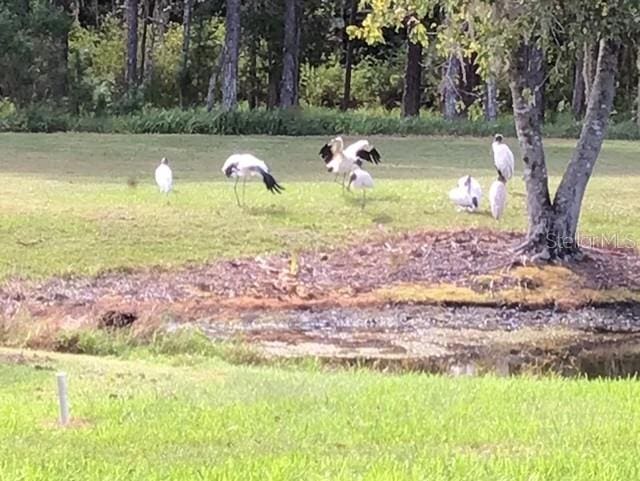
(569, 195)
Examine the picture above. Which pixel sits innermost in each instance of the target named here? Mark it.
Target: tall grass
(308, 121)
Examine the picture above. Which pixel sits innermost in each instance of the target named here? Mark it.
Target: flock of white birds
(348, 162)
(468, 193)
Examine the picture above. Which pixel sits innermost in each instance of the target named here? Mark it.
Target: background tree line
(94, 57)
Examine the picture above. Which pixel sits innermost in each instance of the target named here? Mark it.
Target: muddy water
(459, 341)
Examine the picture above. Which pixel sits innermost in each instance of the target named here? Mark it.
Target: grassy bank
(190, 418)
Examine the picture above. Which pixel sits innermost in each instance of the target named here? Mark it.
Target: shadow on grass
(266, 210)
(355, 198)
(382, 219)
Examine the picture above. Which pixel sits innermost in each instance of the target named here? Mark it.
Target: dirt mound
(358, 274)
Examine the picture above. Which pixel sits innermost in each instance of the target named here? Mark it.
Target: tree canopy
(70, 53)
(515, 37)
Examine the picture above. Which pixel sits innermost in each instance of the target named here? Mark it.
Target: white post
(62, 398)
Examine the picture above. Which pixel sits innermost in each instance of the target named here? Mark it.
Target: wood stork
(164, 176)
(245, 166)
(341, 161)
(360, 179)
(502, 158)
(498, 197)
(467, 194)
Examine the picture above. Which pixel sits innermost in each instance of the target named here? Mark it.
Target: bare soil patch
(344, 276)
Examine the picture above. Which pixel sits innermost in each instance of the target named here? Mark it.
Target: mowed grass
(66, 206)
(167, 420)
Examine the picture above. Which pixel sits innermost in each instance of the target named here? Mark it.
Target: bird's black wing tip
(376, 156)
(276, 188)
(372, 155)
(271, 183)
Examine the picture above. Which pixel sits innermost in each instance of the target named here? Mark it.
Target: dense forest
(113, 57)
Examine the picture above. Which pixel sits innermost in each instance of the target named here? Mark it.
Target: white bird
(245, 166)
(164, 176)
(502, 158)
(360, 179)
(498, 198)
(467, 194)
(341, 161)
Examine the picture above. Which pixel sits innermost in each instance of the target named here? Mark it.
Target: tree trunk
(537, 77)
(578, 98)
(253, 71)
(290, 57)
(60, 74)
(231, 54)
(146, 9)
(568, 199)
(412, 80)
(213, 80)
(638, 93)
(272, 88)
(529, 130)
(184, 63)
(163, 17)
(74, 7)
(348, 58)
(553, 227)
(491, 99)
(589, 60)
(449, 89)
(132, 44)
(152, 12)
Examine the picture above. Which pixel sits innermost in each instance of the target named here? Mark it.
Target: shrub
(293, 122)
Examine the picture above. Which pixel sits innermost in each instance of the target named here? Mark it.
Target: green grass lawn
(65, 206)
(172, 420)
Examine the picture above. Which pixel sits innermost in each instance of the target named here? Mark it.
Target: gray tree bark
(536, 75)
(578, 97)
(412, 80)
(529, 130)
(152, 13)
(568, 199)
(144, 50)
(253, 71)
(132, 44)
(589, 60)
(213, 80)
(231, 52)
(348, 60)
(638, 93)
(164, 15)
(60, 75)
(272, 87)
(291, 53)
(491, 99)
(449, 88)
(553, 226)
(186, 38)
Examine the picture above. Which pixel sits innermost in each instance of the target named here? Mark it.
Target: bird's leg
(235, 191)
(344, 179)
(244, 188)
(335, 179)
